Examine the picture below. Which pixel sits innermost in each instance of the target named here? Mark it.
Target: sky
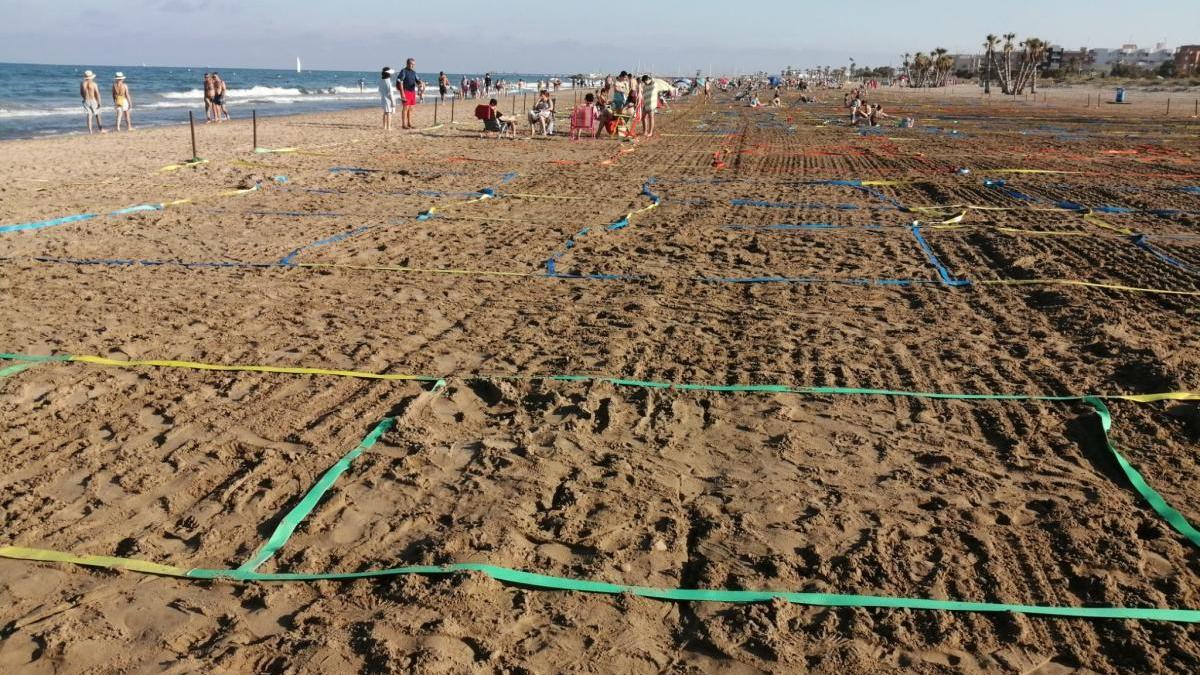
(679, 36)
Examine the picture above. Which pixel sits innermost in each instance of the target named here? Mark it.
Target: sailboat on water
(297, 64)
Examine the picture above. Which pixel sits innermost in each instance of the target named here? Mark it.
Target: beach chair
(537, 124)
(491, 121)
(626, 125)
(584, 119)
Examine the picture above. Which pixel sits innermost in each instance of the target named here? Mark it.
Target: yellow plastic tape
(183, 165)
(45, 555)
(951, 223)
(519, 195)
(1092, 219)
(267, 151)
(97, 360)
(974, 207)
(1025, 171)
(397, 268)
(1046, 233)
(1075, 282)
(1167, 396)
(102, 361)
(257, 165)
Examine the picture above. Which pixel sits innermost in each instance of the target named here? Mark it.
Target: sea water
(40, 100)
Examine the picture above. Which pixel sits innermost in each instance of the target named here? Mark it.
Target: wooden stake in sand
(1168, 106)
(192, 124)
(435, 111)
(452, 99)
(254, 123)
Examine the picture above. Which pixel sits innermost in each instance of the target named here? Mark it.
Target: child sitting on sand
(877, 113)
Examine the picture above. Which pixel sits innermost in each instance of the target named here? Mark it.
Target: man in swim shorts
(90, 94)
(406, 82)
(219, 97)
(122, 101)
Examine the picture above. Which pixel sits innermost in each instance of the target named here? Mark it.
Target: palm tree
(1006, 83)
(939, 66)
(1037, 51)
(921, 64)
(907, 75)
(989, 46)
(945, 64)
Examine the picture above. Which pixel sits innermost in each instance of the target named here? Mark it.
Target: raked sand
(699, 256)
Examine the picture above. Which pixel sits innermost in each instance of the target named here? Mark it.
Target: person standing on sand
(620, 90)
(388, 97)
(651, 90)
(443, 85)
(90, 94)
(122, 101)
(219, 97)
(210, 90)
(406, 82)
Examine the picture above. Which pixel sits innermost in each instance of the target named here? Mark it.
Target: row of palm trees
(998, 59)
(1012, 70)
(928, 70)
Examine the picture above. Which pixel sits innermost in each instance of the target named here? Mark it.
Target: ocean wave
(269, 92)
(252, 91)
(41, 112)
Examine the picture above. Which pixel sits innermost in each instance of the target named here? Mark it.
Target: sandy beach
(496, 326)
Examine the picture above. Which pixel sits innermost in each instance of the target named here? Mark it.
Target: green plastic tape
(548, 582)
(1155, 500)
(292, 520)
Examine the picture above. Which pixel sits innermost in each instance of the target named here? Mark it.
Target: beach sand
(1016, 502)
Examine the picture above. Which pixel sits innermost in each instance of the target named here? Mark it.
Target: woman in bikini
(122, 101)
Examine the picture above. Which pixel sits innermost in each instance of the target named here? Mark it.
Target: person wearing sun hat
(122, 100)
(387, 96)
(90, 94)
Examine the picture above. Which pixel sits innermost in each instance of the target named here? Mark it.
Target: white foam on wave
(41, 112)
(252, 91)
(271, 92)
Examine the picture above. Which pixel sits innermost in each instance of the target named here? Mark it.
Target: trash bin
(1120, 94)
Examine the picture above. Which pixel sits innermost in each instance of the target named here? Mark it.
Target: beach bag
(483, 112)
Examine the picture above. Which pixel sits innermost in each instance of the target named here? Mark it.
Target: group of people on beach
(121, 97)
(862, 112)
(402, 85)
(214, 98)
(616, 107)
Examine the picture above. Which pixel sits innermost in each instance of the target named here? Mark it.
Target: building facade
(1103, 60)
(1187, 60)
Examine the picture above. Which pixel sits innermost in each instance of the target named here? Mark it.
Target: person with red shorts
(406, 82)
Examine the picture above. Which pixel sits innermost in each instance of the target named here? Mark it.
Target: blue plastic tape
(943, 273)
